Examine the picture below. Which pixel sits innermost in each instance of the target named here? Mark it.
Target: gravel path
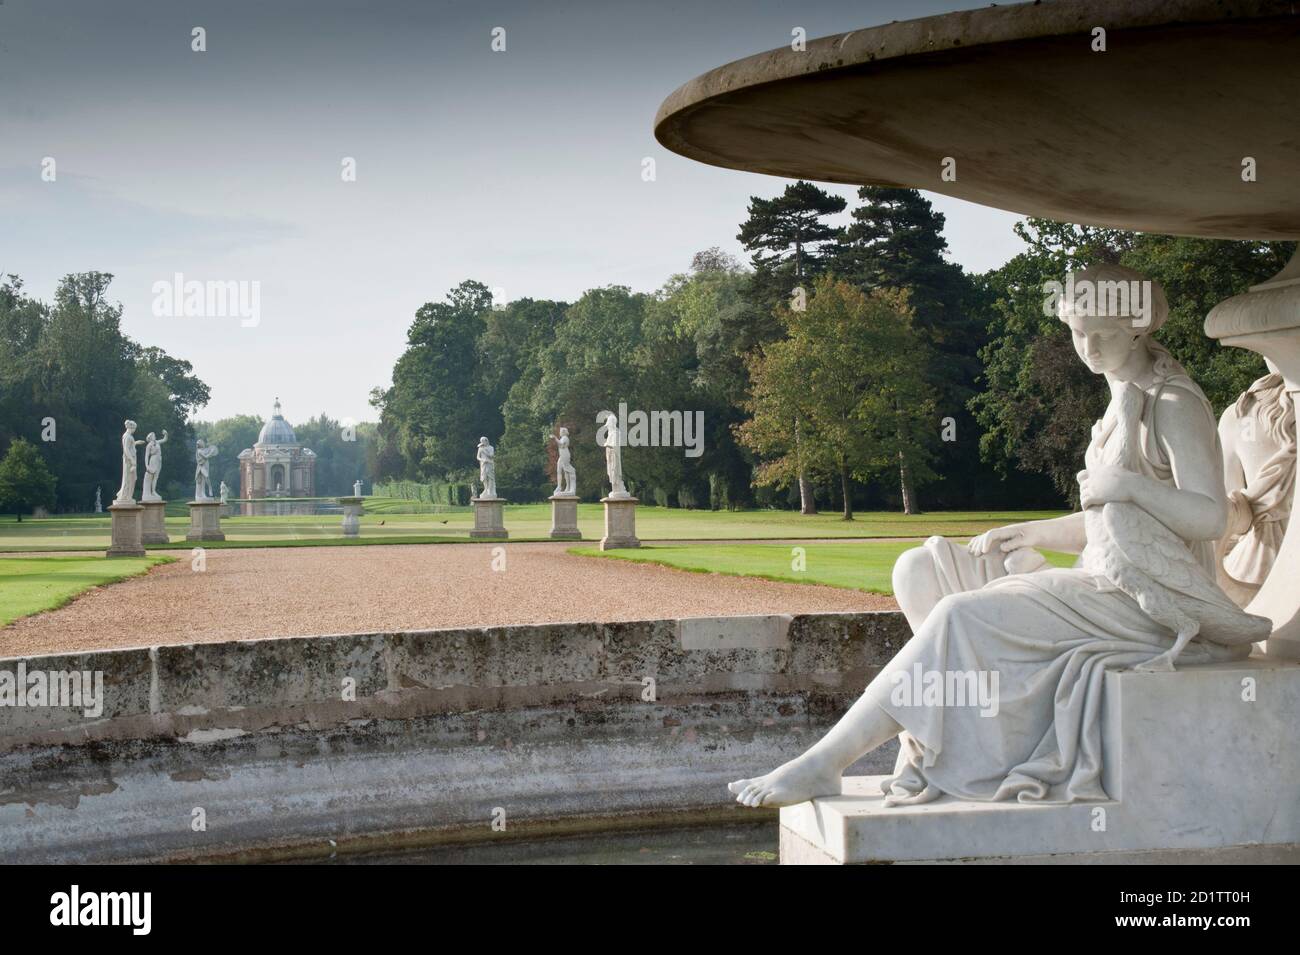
(280, 592)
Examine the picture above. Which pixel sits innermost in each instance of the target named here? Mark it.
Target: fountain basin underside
(1149, 135)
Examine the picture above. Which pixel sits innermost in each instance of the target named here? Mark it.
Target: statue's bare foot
(794, 782)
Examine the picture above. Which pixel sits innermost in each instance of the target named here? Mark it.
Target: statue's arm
(1196, 507)
(1056, 533)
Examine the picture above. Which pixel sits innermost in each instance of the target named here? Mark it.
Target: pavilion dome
(277, 430)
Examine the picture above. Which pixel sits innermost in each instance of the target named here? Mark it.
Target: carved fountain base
(1191, 760)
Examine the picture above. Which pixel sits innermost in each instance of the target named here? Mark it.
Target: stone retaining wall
(296, 742)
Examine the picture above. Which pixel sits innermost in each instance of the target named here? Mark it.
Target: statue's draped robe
(1050, 635)
(1268, 494)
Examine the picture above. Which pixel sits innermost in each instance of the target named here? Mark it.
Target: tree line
(846, 366)
(69, 377)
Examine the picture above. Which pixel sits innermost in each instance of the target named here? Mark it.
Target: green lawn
(524, 521)
(31, 584)
(860, 565)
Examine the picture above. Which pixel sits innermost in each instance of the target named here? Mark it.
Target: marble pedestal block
(1198, 764)
(489, 518)
(620, 523)
(351, 516)
(564, 517)
(126, 540)
(153, 529)
(205, 521)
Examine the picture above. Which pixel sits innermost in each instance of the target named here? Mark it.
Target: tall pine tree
(791, 243)
(896, 241)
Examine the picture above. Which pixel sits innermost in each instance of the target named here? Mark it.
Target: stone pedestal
(1197, 763)
(489, 518)
(126, 540)
(205, 521)
(620, 523)
(153, 529)
(564, 517)
(351, 516)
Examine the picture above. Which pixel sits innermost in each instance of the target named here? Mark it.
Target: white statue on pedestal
(487, 469)
(126, 493)
(99, 507)
(356, 489)
(225, 491)
(203, 455)
(152, 467)
(614, 457)
(566, 478)
(1259, 455)
(1012, 663)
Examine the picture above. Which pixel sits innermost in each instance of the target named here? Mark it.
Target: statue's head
(564, 432)
(1111, 311)
(130, 425)
(482, 442)
(152, 437)
(201, 443)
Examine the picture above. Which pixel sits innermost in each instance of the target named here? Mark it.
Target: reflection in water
(747, 844)
(271, 507)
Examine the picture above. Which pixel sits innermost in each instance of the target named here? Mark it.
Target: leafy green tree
(25, 482)
(791, 243)
(843, 393)
(895, 240)
(590, 366)
(435, 412)
(69, 378)
(688, 362)
(510, 373)
(1039, 401)
(230, 435)
(343, 454)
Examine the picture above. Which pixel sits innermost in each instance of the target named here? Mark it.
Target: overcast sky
(521, 169)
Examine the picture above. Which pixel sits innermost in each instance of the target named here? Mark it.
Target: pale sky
(521, 169)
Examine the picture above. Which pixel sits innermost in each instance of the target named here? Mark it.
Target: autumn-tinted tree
(843, 394)
(791, 243)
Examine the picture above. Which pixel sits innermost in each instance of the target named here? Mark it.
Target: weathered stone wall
(550, 723)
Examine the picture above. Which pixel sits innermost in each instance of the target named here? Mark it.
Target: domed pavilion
(277, 465)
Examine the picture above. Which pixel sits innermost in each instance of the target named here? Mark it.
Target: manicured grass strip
(228, 544)
(31, 585)
(525, 522)
(856, 565)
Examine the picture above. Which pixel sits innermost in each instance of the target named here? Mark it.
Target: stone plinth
(351, 516)
(1197, 764)
(564, 517)
(153, 529)
(489, 518)
(205, 521)
(127, 518)
(620, 523)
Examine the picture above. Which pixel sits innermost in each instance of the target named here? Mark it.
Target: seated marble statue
(1142, 594)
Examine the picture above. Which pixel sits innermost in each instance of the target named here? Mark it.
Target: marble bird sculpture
(1145, 559)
